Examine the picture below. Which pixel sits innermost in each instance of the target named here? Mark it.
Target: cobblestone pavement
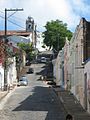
(3, 94)
(71, 104)
(33, 102)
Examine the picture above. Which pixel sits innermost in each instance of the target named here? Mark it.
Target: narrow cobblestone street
(39, 101)
(33, 102)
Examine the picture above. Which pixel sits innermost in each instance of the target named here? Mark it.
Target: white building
(17, 39)
(1, 77)
(12, 73)
(39, 42)
(87, 85)
(58, 68)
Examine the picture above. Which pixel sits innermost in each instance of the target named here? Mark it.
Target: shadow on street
(43, 99)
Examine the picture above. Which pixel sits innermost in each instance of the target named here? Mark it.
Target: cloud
(46, 10)
(81, 6)
(69, 11)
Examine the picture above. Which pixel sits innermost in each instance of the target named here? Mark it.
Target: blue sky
(69, 11)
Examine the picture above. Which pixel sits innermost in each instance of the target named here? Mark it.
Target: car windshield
(23, 79)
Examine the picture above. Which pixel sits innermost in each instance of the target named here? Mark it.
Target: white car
(23, 81)
(43, 60)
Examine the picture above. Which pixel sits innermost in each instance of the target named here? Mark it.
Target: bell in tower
(29, 24)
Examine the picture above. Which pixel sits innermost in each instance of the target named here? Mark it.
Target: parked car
(43, 60)
(23, 81)
(28, 63)
(38, 60)
(30, 70)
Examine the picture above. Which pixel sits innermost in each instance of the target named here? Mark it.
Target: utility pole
(5, 24)
(6, 18)
(58, 42)
(35, 36)
(5, 49)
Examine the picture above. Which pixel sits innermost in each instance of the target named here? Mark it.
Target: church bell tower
(29, 24)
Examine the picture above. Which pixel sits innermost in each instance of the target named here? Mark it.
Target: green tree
(28, 48)
(55, 34)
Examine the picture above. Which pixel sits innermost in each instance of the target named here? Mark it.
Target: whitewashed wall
(12, 73)
(1, 77)
(87, 71)
(57, 69)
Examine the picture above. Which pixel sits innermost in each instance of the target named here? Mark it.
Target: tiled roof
(19, 32)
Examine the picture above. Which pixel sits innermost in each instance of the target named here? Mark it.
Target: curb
(61, 100)
(2, 96)
(4, 99)
(75, 109)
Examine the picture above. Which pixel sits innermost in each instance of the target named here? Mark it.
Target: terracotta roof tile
(19, 32)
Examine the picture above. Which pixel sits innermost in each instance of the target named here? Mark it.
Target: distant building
(19, 39)
(29, 24)
(17, 36)
(39, 42)
(31, 27)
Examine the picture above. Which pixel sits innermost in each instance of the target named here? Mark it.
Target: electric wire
(13, 22)
(12, 14)
(18, 18)
(15, 17)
